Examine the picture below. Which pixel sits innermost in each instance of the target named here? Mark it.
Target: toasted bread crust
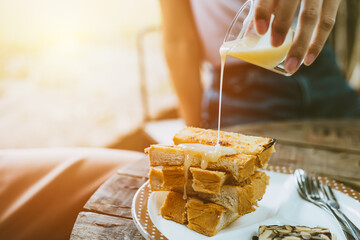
(174, 208)
(208, 218)
(173, 176)
(207, 199)
(205, 218)
(244, 144)
(241, 199)
(248, 144)
(203, 180)
(156, 180)
(241, 166)
(207, 181)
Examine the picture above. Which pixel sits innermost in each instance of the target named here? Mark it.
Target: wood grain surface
(115, 196)
(99, 226)
(107, 214)
(327, 147)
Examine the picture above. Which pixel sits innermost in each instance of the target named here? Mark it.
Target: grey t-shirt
(213, 18)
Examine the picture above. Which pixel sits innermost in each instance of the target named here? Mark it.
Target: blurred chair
(160, 108)
(159, 104)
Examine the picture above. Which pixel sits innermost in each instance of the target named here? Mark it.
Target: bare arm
(183, 54)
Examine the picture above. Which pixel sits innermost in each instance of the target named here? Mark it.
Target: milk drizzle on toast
(223, 58)
(187, 164)
(207, 152)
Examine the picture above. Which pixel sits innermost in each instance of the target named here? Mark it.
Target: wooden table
(327, 147)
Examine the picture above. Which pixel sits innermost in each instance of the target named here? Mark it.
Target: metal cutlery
(334, 204)
(310, 191)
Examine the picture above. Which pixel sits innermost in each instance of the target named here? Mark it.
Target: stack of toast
(208, 197)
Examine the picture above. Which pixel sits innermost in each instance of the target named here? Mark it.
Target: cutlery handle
(354, 230)
(348, 232)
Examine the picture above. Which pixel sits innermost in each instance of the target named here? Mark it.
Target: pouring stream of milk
(223, 58)
(253, 50)
(207, 153)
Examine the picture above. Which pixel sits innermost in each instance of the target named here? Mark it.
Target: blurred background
(70, 72)
(91, 73)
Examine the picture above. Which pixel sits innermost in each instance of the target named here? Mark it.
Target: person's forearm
(184, 67)
(183, 55)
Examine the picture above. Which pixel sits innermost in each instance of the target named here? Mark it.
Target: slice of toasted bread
(206, 181)
(203, 180)
(258, 146)
(156, 180)
(241, 166)
(208, 218)
(202, 217)
(174, 208)
(173, 176)
(241, 199)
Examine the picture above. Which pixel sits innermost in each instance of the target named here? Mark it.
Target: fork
(323, 196)
(334, 204)
(307, 190)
